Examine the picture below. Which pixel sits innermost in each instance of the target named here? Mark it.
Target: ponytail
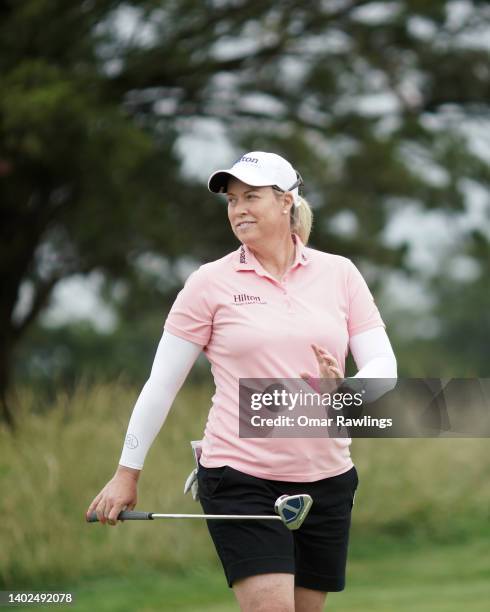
(302, 220)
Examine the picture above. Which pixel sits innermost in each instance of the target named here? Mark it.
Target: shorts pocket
(343, 491)
(211, 480)
(347, 481)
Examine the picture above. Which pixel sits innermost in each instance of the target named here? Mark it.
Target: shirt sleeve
(363, 312)
(191, 316)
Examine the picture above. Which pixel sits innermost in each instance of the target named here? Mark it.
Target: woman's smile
(243, 225)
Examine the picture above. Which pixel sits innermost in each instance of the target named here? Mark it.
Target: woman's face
(256, 213)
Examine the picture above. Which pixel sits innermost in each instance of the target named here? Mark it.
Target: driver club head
(293, 509)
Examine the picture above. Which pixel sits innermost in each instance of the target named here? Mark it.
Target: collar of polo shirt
(244, 258)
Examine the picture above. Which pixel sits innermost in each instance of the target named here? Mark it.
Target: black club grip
(126, 515)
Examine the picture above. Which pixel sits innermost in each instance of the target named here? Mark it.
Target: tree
(361, 95)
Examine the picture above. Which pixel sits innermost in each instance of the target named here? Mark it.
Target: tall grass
(58, 460)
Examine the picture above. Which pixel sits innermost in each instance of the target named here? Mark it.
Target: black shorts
(316, 553)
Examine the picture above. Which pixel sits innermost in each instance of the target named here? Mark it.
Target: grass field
(420, 536)
(403, 578)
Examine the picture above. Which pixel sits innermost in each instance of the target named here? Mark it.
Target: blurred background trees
(111, 113)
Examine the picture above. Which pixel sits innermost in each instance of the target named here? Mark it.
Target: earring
(284, 212)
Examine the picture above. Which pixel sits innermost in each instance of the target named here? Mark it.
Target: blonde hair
(302, 220)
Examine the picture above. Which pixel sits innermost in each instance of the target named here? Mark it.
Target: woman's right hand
(120, 493)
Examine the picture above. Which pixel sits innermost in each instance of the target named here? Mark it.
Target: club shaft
(229, 517)
(149, 516)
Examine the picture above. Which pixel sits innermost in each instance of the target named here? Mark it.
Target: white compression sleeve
(373, 354)
(375, 359)
(173, 360)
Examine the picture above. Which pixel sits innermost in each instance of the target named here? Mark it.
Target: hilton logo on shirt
(242, 298)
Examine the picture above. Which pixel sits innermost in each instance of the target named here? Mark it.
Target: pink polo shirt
(253, 326)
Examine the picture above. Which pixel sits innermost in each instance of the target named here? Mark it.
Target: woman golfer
(274, 308)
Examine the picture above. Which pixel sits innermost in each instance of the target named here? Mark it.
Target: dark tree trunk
(6, 413)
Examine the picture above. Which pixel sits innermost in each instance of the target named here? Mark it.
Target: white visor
(259, 169)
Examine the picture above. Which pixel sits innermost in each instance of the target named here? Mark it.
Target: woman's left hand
(327, 365)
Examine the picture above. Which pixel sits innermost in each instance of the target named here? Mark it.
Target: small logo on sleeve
(131, 441)
(240, 299)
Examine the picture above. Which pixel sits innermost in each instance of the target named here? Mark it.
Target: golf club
(290, 509)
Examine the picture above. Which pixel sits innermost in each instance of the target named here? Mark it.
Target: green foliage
(368, 99)
(63, 356)
(423, 491)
